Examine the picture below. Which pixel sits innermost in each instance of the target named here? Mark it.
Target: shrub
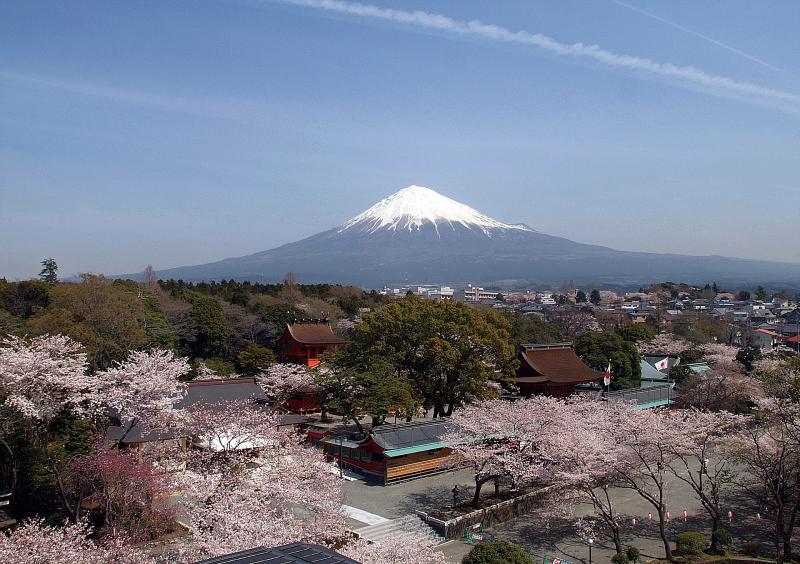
(497, 552)
(633, 554)
(722, 538)
(753, 548)
(691, 542)
(619, 559)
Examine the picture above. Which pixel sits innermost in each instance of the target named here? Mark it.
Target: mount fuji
(417, 235)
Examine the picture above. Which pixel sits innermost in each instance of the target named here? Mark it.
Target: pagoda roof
(556, 363)
(310, 334)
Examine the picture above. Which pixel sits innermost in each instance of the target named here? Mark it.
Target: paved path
(555, 536)
(363, 516)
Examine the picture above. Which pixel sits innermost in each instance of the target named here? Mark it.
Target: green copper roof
(412, 449)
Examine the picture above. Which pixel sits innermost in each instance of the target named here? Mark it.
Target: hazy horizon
(183, 133)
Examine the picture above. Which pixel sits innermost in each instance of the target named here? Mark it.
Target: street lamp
(591, 542)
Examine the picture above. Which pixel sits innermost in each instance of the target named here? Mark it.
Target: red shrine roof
(556, 363)
(311, 334)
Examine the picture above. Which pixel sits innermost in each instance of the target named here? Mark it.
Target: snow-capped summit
(412, 208)
(418, 236)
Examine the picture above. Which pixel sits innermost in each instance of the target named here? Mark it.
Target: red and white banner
(662, 364)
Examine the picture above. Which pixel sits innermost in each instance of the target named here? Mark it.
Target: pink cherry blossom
(44, 375)
(36, 543)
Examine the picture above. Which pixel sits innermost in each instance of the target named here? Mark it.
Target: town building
(475, 294)
(304, 343)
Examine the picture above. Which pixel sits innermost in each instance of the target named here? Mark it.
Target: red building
(304, 343)
(389, 453)
(552, 370)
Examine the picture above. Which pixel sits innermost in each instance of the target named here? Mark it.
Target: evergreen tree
(49, 272)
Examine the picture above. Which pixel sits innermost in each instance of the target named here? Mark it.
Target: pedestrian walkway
(363, 516)
(399, 527)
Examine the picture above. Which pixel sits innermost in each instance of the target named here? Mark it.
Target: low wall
(497, 513)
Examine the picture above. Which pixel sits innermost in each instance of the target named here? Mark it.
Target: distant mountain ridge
(417, 235)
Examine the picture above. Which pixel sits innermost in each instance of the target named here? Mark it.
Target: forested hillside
(228, 326)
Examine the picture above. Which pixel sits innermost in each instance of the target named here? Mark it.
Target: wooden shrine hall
(304, 343)
(552, 370)
(390, 453)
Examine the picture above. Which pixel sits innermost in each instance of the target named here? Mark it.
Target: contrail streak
(696, 34)
(685, 76)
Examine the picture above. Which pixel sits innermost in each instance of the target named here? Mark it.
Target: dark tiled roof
(312, 334)
(295, 553)
(213, 391)
(206, 392)
(403, 435)
(554, 363)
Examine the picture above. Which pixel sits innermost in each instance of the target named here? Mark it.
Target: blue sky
(177, 133)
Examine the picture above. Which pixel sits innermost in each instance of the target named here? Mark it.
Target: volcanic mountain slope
(417, 235)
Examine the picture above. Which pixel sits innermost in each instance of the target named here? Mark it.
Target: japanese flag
(662, 364)
(607, 375)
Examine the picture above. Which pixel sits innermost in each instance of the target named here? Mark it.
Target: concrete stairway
(399, 527)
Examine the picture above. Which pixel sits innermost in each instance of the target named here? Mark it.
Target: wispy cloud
(696, 34)
(677, 75)
(174, 104)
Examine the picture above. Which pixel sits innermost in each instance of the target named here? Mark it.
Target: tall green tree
(594, 297)
(49, 272)
(209, 338)
(376, 392)
(449, 352)
(597, 349)
(254, 359)
(580, 297)
(531, 329)
(637, 332)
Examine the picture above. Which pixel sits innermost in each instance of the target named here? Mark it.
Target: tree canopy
(449, 352)
(598, 349)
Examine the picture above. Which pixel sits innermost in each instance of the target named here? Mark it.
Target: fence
(655, 395)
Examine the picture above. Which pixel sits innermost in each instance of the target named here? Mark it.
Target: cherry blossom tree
(131, 495)
(647, 444)
(725, 387)
(588, 450)
(780, 377)
(289, 496)
(36, 543)
(664, 343)
(700, 461)
(43, 378)
(45, 375)
(281, 381)
(228, 431)
(144, 389)
(401, 548)
(768, 449)
(504, 439)
(251, 483)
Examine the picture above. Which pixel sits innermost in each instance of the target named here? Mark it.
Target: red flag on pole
(607, 376)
